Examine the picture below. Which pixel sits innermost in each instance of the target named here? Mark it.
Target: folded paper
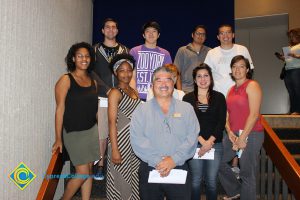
(209, 155)
(176, 176)
(103, 102)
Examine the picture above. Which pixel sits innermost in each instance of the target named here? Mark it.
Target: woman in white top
(292, 70)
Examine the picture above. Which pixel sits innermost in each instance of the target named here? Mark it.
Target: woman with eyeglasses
(75, 118)
(210, 108)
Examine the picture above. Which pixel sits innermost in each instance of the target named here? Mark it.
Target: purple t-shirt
(147, 60)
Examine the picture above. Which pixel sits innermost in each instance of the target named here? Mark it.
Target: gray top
(186, 60)
(154, 135)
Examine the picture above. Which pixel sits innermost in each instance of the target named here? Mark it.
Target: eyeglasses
(200, 34)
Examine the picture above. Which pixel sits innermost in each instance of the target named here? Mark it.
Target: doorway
(264, 36)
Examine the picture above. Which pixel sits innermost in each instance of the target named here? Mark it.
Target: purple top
(147, 60)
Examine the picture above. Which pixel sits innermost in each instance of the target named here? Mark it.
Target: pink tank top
(238, 108)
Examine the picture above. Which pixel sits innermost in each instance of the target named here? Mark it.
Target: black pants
(292, 83)
(156, 191)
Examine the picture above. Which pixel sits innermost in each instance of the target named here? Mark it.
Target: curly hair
(71, 54)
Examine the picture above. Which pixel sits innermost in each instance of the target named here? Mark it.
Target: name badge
(103, 102)
(177, 115)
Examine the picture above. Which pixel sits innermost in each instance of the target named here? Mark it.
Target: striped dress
(122, 180)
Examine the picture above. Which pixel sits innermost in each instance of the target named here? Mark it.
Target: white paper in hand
(96, 161)
(240, 151)
(103, 102)
(176, 176)
(209, 155)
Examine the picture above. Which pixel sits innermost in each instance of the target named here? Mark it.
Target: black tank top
(81, 106)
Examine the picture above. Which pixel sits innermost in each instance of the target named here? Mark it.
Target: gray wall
(34, 39)
(264, 35)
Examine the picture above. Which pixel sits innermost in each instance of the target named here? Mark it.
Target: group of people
(146, 124)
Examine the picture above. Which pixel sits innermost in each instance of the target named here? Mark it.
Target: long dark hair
(211, 86)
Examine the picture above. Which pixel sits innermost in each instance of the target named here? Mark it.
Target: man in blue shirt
(164, 136)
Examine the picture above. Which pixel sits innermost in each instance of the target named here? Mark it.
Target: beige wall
(251, 8)
(34, 39)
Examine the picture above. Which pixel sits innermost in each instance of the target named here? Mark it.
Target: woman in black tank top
(75, 117)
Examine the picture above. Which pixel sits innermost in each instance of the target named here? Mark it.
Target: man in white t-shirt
(220, 57)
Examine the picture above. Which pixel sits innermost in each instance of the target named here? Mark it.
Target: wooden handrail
(282, 159)
(280, 156)
(49, 184)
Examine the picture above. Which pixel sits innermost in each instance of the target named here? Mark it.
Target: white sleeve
(149, 94)
(246, 53)
(208, 59)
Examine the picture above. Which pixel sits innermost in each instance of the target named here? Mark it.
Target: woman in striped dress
(122, 167)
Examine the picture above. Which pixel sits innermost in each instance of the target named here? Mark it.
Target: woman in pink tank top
(244, 132)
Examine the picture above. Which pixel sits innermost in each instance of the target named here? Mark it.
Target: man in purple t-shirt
(148, 57)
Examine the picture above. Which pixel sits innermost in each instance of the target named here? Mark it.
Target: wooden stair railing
(49, 184)
(282, 159)
(280, 156)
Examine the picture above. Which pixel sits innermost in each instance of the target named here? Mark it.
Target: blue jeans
(206, 170)
(246, 186)
(292, 83)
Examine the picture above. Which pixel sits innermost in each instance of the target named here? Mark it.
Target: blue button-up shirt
(154, 134)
